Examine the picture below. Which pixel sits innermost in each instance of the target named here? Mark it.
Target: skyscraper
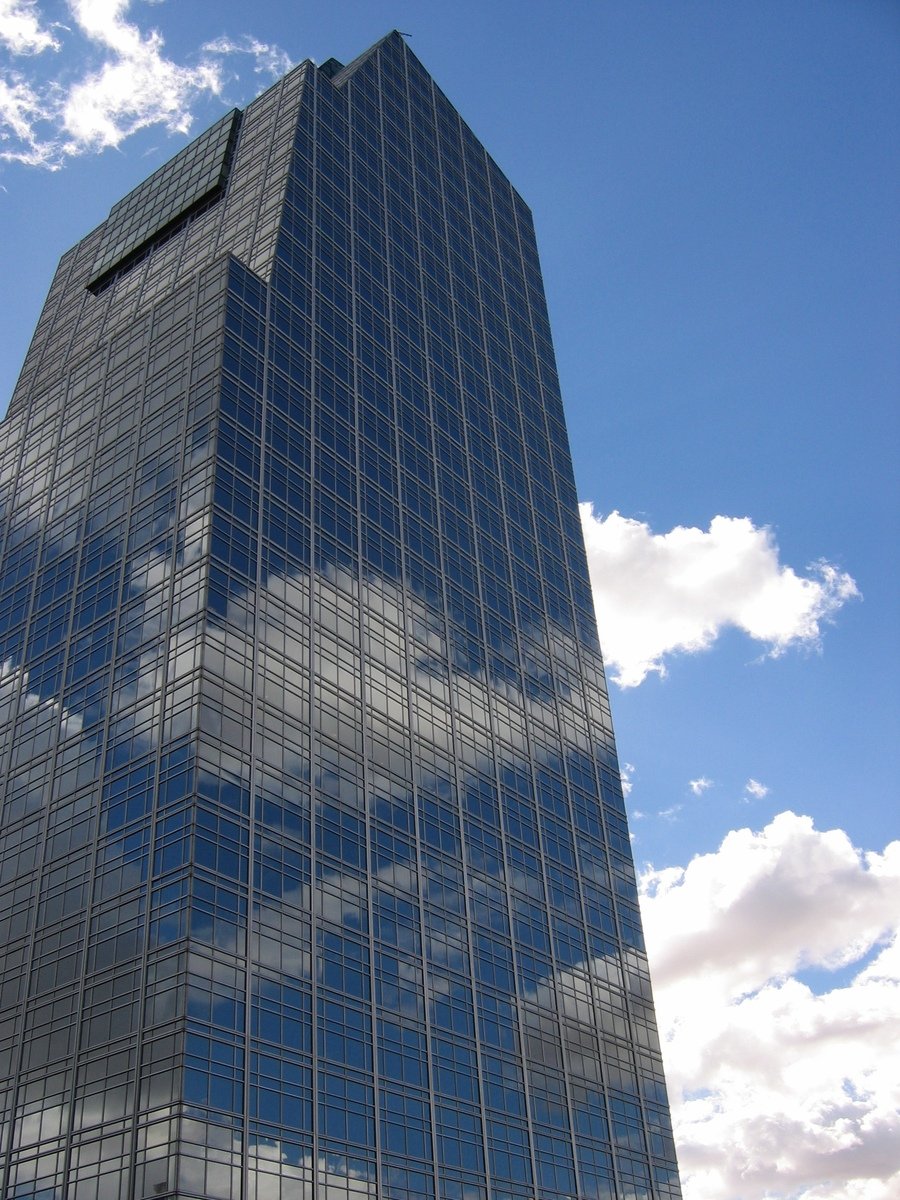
(315, 879)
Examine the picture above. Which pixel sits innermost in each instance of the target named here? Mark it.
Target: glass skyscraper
(315, 878)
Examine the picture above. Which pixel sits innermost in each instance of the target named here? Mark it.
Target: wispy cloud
(45, 120)
(627, 776)
(699, 786)
(757, 790)
(671, 813)
(776, 1089)
(658, 594)
(21, 30)
(137, 86)
(267, 59)
(18, 106)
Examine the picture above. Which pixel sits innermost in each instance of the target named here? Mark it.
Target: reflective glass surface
(315, 877)
(168, 194)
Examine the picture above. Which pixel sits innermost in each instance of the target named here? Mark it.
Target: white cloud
(137, 85)
(627, 777)
(777, 1091)
(268, 59)
(699, 786)
(21, 30)
(657, 594)
(20, 106)
(44, 121)
(756, 789)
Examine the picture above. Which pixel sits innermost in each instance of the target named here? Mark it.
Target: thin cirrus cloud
(52, 109)
(660, 594)
(776, 1089)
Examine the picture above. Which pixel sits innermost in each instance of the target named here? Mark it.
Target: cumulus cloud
(776, 1089)
(755, 789)
(657, 594)
(44, 121)
(699, 786)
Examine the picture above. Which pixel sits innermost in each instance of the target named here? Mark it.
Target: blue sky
(715, 188)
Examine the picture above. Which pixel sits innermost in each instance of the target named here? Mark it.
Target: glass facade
(315, 878)
(176, 189)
